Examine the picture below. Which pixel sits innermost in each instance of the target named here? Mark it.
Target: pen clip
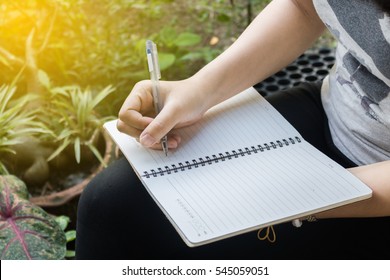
(151, 53)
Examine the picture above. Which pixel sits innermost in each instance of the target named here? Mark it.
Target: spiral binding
(208, 160)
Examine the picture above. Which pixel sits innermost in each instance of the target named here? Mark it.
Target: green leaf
(70, 235)
(223, 18)
(77, 149)
(187, 39)
(192, 56)
(97, 154)
(6, 94)
(3, 169)
(59, 149)
(7, 150)
(101, 95)
(4, 61)
(166, 60)
(62, 221)
(167, 36)
(70, 254)
(65, 133)
(44, 78)
(26, 230)
(62, 90)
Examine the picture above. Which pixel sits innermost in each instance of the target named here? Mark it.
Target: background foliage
(67, 53)
(99, 43)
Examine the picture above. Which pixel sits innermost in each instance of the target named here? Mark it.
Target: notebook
(241, 168)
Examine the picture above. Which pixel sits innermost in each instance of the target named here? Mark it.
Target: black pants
(117, 218)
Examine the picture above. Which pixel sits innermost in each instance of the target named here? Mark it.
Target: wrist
(214, 87)
(207, 88)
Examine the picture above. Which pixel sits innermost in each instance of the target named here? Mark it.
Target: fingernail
(147, 140)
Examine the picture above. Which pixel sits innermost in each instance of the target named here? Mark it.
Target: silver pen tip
(165, 147)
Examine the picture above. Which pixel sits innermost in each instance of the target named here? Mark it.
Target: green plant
(174, 51)
(71, 115)
(26, 230)
(16, 123)
(70, 235)
(102, 42)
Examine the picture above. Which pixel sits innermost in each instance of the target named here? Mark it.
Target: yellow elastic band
(269, 235)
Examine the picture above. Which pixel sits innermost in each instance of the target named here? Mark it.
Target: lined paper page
(251, 192)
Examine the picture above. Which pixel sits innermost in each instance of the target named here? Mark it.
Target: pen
(155, 75)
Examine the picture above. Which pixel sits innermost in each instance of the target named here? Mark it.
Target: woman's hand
(183, 102)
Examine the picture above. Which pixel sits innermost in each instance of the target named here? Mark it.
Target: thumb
(158, 128)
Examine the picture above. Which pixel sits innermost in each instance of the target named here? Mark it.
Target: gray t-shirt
(355, 94)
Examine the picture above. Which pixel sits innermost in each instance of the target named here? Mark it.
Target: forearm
(280, 33)
(377, 177)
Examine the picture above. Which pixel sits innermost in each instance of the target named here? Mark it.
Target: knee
(92, 198)
(106, 191)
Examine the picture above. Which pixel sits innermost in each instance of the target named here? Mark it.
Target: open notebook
(241, 168)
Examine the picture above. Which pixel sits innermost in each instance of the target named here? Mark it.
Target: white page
(221, 199)
(255, 191)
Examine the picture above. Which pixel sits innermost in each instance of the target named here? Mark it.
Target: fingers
(136, 118)
(137, 111)
(173, 142)
(132, 123)
(164, 122)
